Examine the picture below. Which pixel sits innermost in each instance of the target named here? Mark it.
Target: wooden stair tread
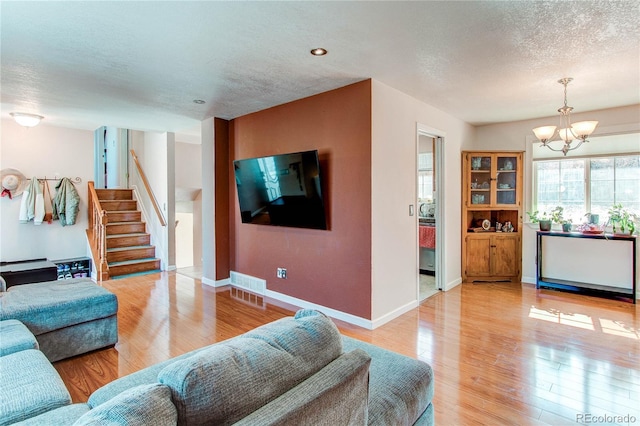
(125, 223)
(115, 249)
(114, 194)
(133, 262)
(122, 211)
(132, 234)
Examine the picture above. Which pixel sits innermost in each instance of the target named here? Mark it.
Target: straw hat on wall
(13, 182)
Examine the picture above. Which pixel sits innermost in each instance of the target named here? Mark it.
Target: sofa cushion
(60, 416)
(15, 337)
(146, 376)
(30, 386)
(400, 388)
(335, 395)
(52, 305)
(139, 406)
(226, 382)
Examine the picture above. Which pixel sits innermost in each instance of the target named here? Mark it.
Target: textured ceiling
(139, 65)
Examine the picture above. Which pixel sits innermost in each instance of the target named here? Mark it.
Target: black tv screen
(281, 190)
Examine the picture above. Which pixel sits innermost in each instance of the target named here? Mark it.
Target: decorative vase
(566, 227)
(594, 218)
(545, 225)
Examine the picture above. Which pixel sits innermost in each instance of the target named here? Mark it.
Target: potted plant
(621, 218)
(545, 222)
(592, 218)
(557, 216)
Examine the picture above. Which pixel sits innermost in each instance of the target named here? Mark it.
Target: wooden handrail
(97, 233)
(152, 196)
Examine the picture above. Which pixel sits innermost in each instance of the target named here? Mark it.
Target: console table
(573, 261)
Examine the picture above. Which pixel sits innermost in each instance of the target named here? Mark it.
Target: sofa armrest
(337, 394)
(400, 388)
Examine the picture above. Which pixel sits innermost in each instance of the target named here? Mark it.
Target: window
(587, 185)
(425, 176)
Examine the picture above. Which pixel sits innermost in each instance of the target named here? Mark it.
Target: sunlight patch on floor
(574, 320)
(617, 329)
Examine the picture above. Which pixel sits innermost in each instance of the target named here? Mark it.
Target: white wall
(519, 136)
(188, 165)
(44, 151)
(188, 182)
(395, 117)
(156, 151)
(184, 238)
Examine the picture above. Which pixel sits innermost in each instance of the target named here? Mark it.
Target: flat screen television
(281, 190)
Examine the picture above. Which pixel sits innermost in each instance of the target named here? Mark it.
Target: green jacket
(66, 203)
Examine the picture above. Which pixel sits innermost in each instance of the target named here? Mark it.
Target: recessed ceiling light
(198, 101)
(319, 51)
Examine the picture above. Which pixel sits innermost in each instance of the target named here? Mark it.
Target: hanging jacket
(66, 203)
(32, 203)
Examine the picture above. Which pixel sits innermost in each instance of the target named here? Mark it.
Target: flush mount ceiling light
(568, 132)
(198, 101)
(319, 51)
(26, 120)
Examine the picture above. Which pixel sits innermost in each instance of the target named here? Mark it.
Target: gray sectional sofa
(295, 371)
(67, 317)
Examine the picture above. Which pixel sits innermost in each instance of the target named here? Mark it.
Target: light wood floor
(502, 353)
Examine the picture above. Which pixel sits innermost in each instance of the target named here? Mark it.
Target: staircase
(128, 246)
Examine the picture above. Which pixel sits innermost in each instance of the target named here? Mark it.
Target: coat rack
(73, 180)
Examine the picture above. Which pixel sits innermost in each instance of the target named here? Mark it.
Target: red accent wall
(333, 267)
(222, 196)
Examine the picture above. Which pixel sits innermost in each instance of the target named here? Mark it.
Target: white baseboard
(222, 283)
(393, 314)
(451, 284)
(214, 283)
(529, 280)
(342, 316)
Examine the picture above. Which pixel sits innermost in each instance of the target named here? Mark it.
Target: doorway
(111, 157)
(430, 219)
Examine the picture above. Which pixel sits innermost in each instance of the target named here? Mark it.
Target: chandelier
(567, 132)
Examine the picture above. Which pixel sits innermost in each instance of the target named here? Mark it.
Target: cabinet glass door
(480, 180)
(506, 178)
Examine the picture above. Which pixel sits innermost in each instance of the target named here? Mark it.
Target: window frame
(587, 174)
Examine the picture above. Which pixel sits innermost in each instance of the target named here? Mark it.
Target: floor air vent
(247, 282)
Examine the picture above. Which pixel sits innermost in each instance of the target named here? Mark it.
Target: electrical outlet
(281, 273)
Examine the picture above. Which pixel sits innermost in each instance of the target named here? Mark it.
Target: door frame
(119, 156)
(439, 199)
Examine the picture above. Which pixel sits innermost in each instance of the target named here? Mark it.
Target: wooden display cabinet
(491, 198)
